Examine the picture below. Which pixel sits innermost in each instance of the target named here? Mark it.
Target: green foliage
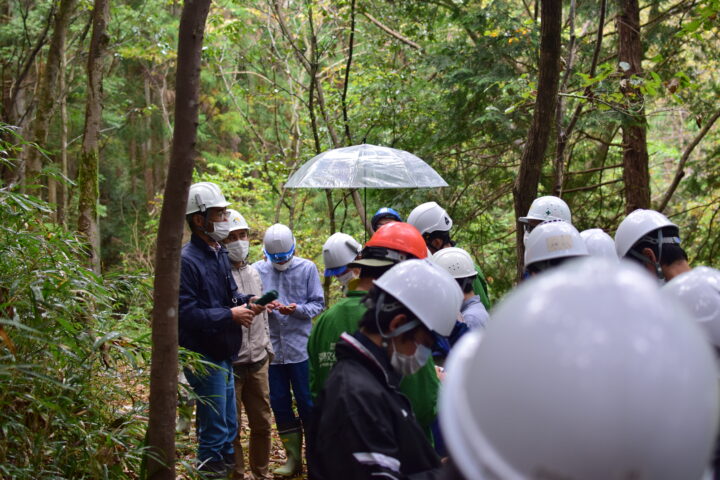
(64, 415)
(65, 412)
(75, 377)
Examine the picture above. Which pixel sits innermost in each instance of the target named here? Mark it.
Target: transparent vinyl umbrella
(365, 166)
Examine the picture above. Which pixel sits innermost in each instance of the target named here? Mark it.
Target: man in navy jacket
(211, 314)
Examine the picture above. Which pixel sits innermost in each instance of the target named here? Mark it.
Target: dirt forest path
(188, 442)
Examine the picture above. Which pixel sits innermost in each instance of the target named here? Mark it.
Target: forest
(611, 105)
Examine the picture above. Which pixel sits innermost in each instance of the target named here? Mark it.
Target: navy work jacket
(207, 292)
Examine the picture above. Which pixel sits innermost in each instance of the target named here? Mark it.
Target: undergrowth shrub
(67, 409)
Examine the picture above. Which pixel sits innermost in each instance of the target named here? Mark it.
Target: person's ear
(396, 322)
(198, 220)
(648, 252)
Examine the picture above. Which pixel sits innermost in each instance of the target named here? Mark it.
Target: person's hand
(242, 316)
(274, 305)
(440, 372)
(287, 309)
(256, 309)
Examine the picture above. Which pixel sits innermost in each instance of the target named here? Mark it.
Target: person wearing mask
(300, 300)
(250, 366)
(384, 216)
(434, 224)
(339, 250)
(585, 372)
(651, 239)
(599, 244)
(390, 245)
(543, 209)
(364, 428)
(550, 244)
(211, 318)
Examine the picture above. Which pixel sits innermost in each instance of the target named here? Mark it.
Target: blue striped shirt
(299, 284)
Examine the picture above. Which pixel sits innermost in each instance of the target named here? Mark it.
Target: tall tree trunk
(526, 184)
(17, 95)
(165, 139)
(88, 180)
(635, 156)
(62, 191)
(47, 95)
(147, 146)
(164, 367)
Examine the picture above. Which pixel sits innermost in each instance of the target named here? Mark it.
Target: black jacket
(363, 427)
(207, 292)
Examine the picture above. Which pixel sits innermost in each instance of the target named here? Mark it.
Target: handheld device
(267, 297)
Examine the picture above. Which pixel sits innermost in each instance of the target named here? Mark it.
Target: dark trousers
(282, 378)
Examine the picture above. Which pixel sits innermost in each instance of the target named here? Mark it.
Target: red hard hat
(399, 236)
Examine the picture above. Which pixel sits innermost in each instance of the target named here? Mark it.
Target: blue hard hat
(384, 212)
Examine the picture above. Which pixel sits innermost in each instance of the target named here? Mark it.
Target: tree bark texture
(164, 367)
(61, 193)
(88, 165)
(49, 83)
(636, 175)
(526, 185)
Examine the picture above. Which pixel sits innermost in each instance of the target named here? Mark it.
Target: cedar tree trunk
(635, 156)
(88, 180)
(49, 83)
(526, 184)
(164, 367)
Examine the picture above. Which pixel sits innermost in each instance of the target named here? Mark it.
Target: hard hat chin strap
(646, 261)
(464, 282)
(379, 306)
(659, 241)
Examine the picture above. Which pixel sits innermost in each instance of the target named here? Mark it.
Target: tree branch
(343, 99)
(393, 33)
(593, 187)
(680, 172)
(596, 169)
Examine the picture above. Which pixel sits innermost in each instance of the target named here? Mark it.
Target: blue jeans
(216, 410)
(281, 378)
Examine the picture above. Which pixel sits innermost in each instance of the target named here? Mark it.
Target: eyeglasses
(218, 215)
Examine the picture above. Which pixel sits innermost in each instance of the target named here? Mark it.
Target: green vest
(421, 388)
(480, 287)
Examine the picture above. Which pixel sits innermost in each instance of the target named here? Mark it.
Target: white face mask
(220, 231)
(281, 267)
(409, 364)
(525, 237)
(346, 277)
(238, 250)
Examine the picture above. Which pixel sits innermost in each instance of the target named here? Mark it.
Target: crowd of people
(600, 365)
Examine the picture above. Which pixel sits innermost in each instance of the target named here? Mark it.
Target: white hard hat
(588, 372)
(699, 291)
(548, 208)
(430, 217)
(552, 240)
(204, 195)
(339, 250)
(599, 244)
(427, 291)
(456, 261)
(635, 226)
(279, 243)
(237, 221)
